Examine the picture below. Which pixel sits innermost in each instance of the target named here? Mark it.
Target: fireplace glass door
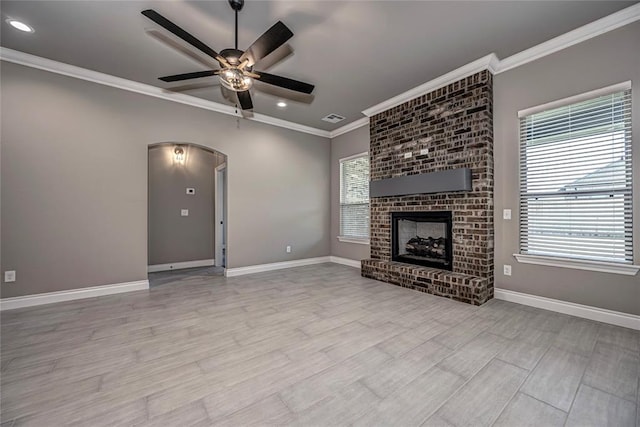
(422, 238)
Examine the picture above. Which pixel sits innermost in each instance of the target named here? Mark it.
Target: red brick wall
(455, 124)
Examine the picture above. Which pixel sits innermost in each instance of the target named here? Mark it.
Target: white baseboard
(251, 269)
(587, 312)
(346, 261)
(71, 294)
(180, 265)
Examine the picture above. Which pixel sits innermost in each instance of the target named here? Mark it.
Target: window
(354, 198)
(575, 178)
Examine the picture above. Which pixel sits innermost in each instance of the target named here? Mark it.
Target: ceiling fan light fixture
(235, 80)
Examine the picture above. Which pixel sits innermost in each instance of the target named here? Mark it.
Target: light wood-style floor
(314, 346)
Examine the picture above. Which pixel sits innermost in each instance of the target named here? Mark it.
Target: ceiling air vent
(333, 118)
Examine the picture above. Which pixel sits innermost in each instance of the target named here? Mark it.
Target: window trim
(579, 264)
(350, 239)
(345, 239)
(575, 263)
(619, 87)
(353, 156)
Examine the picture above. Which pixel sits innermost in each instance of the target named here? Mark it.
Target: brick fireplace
(454, 124)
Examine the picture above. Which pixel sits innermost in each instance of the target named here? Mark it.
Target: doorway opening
(220, 240)
(187, 195)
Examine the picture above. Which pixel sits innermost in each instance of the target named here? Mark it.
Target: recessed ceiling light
(18, 25)
(281, 104)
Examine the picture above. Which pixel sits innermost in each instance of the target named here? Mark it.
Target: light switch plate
(507, 270)
(506, 214)
(10, 276)
(184, 212)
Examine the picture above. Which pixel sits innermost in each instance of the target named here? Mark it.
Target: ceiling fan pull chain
(236, 29)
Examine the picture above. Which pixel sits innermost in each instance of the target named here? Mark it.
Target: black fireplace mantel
(424, 183)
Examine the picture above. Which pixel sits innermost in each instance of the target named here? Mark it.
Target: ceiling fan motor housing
(236, 4)
(232, 56)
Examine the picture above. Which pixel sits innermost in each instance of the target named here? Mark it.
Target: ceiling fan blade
(244, 98)
(282, 93)
(173, 28)
(272, 39)
(284, 82)
(194, 86)
(278, 55)
(187, 76)
(173, 43)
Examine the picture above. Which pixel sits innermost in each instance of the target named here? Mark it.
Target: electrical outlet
(507, 270)
(288, 249)
(506, 214)
(184, 212)
(10, 276)
(191, 191)
(408, 155)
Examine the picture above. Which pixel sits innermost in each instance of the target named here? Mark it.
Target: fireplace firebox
(422, 238)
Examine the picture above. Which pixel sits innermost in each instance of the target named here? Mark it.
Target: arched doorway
(186, 211)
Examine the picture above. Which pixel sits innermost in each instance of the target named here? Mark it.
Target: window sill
(578, 264)
(353, 240)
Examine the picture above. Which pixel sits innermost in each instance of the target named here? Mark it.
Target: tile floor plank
(597, 408)
(413, 404)
(556, 378)
(474, 355)
(401, 371)
(346, 406)
(313, 389)
(525, 411)
(613, 369)
(480, 401)
(193, 414)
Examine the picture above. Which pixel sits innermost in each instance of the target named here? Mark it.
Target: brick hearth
(455, 124)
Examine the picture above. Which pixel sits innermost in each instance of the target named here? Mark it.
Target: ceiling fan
(236, 72)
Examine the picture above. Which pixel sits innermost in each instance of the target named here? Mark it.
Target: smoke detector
(333, 118)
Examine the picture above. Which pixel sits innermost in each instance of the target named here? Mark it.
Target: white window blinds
(575, 180)
(354, 197)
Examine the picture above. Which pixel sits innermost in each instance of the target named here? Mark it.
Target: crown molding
(33, 61)
(580, 34)
(487, 62)
(364, 121)
(263, 118)
(496, 66)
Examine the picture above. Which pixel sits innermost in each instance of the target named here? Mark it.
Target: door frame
(220, 223)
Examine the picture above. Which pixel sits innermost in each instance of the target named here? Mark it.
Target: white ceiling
(357, 53)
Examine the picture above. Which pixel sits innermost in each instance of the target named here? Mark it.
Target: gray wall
(608, 59)
(74, 182)
(345, 145)
(172, 237)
